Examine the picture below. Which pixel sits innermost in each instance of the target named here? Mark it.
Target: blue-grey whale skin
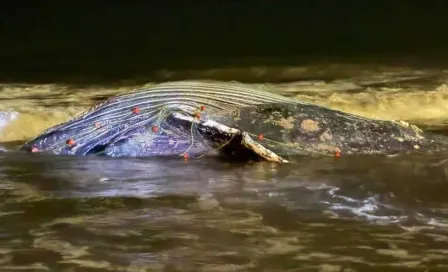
(172, 118)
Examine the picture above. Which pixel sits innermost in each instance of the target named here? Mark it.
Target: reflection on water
(208, 215)
(354, 213)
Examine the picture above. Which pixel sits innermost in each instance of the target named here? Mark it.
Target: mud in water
(353, 213)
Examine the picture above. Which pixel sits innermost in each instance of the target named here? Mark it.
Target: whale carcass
(195, 119)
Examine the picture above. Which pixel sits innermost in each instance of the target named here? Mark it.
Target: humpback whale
(204, 118)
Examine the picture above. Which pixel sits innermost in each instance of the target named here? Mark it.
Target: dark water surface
(359, 213)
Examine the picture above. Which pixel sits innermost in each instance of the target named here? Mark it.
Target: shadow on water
(208, 215)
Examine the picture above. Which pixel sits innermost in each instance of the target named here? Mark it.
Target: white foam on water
(371, 209)
(7, 117)
(368, 208)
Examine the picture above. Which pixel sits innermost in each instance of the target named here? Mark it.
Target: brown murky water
(354, 213)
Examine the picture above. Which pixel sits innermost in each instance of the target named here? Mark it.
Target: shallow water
(353, 213)
(208, 215)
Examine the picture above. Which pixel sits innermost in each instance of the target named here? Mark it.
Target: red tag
(136, 110)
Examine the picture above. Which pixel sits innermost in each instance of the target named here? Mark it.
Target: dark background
(105, 40)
